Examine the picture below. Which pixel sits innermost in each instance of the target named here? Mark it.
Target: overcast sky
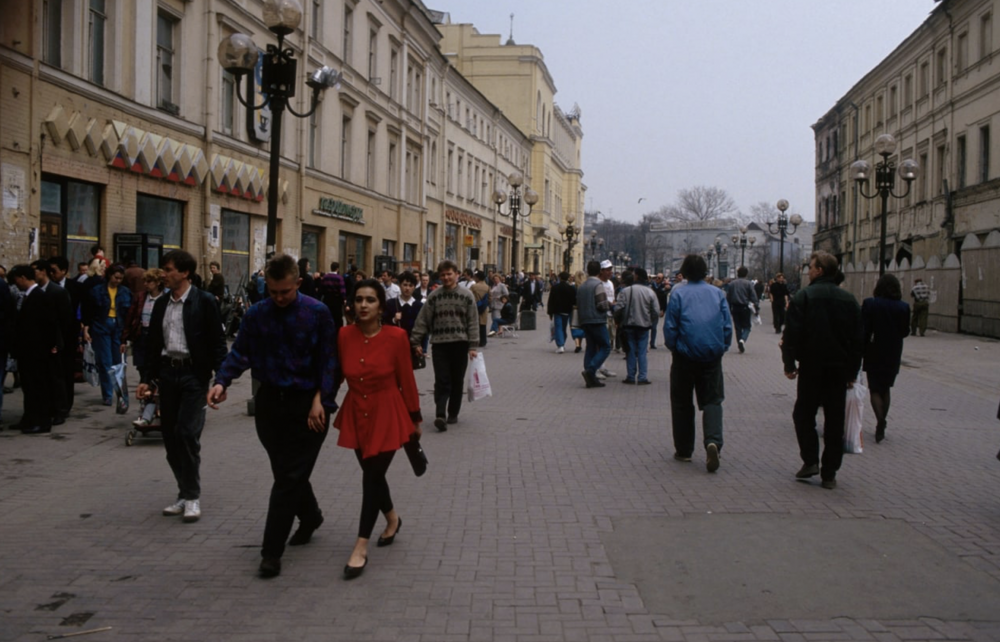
(677, 93)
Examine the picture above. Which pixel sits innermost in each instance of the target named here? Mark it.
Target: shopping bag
(117, 373)
(90, 372)
(552, 329)
(477, 384)
(854, 417)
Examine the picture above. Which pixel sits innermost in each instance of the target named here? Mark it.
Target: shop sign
(468, 220)
(470, 240)
(338, 209)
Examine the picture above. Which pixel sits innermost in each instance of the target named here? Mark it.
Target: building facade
(938, 94)
(120, 128)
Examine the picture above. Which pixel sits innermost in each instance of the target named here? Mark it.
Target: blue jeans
(562, 325)
(598, 346)
(106, 338)
(638, 339)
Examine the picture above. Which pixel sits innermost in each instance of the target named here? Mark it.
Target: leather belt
(180, 362)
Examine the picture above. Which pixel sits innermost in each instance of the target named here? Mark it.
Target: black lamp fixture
(595, 244)
(782, 229)
(238, 55)
(571, 233)
(741, 241)
(885, 183)
(530, 196)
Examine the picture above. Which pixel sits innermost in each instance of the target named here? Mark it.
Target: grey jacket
(640, 305)
(592, 302)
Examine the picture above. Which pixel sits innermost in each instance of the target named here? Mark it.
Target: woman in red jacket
(379, 413)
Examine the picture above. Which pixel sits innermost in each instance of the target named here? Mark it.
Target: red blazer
(382, 404)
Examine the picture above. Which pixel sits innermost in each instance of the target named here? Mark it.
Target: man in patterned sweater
(450, 318)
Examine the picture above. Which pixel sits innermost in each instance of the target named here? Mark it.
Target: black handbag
(416, 455)
(419, 360)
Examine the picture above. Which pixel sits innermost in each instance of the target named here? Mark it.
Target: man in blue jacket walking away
(698, 331)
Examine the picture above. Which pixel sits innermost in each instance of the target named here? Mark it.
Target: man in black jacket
(562, 299)
(36, 344)
(185, 346)
(824, 333)
(61, 397)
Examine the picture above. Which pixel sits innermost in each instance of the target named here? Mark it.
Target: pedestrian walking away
(779, 301)
(886, 320)
(562, 298)
(921, 306)
(185, 345)
(449, 317)
(697, 330)
(381, 412)
(822, 348)
(289, 343)
(592, 307)
(641, 311)
(741, 297)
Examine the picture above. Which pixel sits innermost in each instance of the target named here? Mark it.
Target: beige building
(938, 94)
(516, 79)
(118, 121)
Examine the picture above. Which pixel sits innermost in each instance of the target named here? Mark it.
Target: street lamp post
(741, 240)
(782, 225)
(238, 55)
(571, 233)
(885, 182)
(516, 180)
(709, 254)
(595, 244)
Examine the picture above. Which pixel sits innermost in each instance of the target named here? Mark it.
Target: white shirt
(174, 341)
(391, 291)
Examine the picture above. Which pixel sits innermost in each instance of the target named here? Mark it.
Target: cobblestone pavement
(503, 535)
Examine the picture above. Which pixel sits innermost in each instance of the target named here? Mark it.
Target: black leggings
(375, 490)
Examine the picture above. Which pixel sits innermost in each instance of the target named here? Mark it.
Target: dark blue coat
(886, 323)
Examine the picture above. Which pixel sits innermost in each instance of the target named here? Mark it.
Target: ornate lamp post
(885, 182)
(516, 180)
(741, 241)
(595, 244)
(238, 55)
(782, 225)
(709, 254)
(571, 233)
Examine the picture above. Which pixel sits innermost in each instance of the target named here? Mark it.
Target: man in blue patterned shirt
(289, 343)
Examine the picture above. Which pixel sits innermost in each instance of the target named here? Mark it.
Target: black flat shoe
(879, 434)
(387, 541)
(352, 572)
(270, 567)
(303, 534)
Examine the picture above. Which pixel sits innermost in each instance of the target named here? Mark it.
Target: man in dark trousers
(36, 346)
(741, 296)
(63, 307)
(185, 345)
(562, 300)
(290, 344)
(779, 301)
(72, 359)
(824, 335)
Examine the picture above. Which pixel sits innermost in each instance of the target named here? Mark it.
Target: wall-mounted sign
(506, 230)
(338, 209)
(259, 120)
(462, 218)
(470, 240)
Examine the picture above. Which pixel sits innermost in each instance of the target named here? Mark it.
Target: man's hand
(86, 334)
(472, 355)
(124, 348)
(216, 395)
(419, 351)
(317, 416)
(850, 384)
(792, 374)
(143, 391)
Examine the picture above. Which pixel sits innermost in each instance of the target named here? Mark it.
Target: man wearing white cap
(605, 276)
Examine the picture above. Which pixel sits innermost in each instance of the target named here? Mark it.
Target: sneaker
(829, 484)
(560, 350)
(644, 382)
(439, 423)
(684, 458)
(743, 347)
(807, 471)
(175, 509)
(452, 420)
(140, 423)
(599, 375)
(491, 333)
(712, 462)
(270, 567)
(606, 372)
(192, 510)
(628, 381)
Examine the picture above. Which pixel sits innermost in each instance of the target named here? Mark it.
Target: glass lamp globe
(530, 196)
(782, 205)
(885, 145)
(860, 170)
(499, 197)
(743, 229)
(909, 170)
(571, 218)
(282, 17)
(795, 220)
(736, 239)
(516, 179)
(238, 54)
(752, 240)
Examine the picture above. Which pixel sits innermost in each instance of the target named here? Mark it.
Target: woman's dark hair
(408, 277)
(113, 270)
(888, 287)
(694, 268)
(374, 284)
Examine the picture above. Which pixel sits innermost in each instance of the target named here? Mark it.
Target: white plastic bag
(476, 381)
(854, 417)
(117, 373)
(90, 373)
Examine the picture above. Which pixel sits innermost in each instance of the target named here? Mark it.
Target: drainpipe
(854, 190)
(210, 121)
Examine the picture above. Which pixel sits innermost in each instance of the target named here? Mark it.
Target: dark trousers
(375, 497)
(824, 388)
(182, 418)
(450, 361)
(742, 321)
(40, 400)
(67, 376)
(704, 380)
(778, 312)
(482, 335)
(281, 417)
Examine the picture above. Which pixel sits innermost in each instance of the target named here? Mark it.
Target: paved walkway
(507, 536)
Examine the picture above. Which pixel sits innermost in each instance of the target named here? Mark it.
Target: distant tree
(701, 203)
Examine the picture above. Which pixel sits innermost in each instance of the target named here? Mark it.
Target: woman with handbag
(380, 413)
(637, 307)
(886, 317)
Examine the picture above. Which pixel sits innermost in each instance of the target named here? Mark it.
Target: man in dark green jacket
(824, 333)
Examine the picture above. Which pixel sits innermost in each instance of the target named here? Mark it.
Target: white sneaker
(560, 350)
(192, 510)
(600, 375)
(491, 333)
(174, 509)
(607, 373)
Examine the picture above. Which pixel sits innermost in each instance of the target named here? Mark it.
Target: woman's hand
(416, 429)
(317, 415)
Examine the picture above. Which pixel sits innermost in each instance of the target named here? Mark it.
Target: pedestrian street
(550, 512)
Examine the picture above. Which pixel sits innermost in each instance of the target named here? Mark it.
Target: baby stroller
(148, 421)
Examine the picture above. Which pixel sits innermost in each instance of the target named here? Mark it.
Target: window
(394, 73)
(984, 154)
(316, 25)
(161, 216)
(960, 145)
(235, 247)
(312, 239)
(879, 110)
(433, 170)
(372, 52)
(908, 90)
(939, 173)
(893, 100)
(98, 19)
(314, 138)
(348, 29)
(52, 32)
(75, 208)
(942, 66)
(868, 118)
(461, 162)
(417, 93)
(345, 148)
(962, 51)
(922, 193)
(985, 35)
(370, 173)
(228, 116)
(925, 79)
(165, 98)
(448, 171)
(409, 86)
(393, 179)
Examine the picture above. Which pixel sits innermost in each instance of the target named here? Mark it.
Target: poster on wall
(259, 120)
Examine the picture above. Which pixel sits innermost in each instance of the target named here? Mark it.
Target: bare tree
(701, 203)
